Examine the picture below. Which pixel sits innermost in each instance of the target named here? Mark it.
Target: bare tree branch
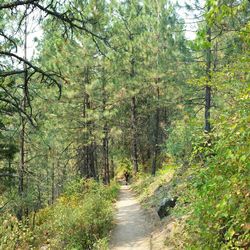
(66, 17)
(49, 75)
(10, 73)
(16, 4)
(19, 109)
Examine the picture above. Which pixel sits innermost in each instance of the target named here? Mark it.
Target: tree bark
(52, 180)
(134, 135)
(21, 169)
(87, 162)
(105, 137)
(156, 134)
(157, 114)
(106, 155)
(208, 88)
(112, 168)
(91, 162)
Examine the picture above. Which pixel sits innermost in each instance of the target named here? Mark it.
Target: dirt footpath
(132, 231)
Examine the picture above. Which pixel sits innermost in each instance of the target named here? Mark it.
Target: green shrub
(221, 186)
(82, 217)
(14, 233)
(79, 219)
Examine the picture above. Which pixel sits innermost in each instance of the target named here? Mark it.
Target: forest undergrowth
(212, 209)
(90, 90)
(81, 218)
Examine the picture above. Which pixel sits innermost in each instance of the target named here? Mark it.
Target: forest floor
(134, 229)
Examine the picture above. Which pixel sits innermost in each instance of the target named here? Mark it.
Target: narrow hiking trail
(131, 231)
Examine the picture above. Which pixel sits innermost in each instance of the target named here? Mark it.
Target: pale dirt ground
(134, 230)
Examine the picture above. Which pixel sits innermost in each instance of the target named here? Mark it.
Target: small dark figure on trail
(126, 177)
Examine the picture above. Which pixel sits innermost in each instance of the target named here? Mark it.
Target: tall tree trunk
(133, 114)
(9, 170)
(48, 175)
(52, 178)
(39, 197)
(92, 170)
(96, 162)
(87, 162)
(148, 150)
(156, 133)
(105, 136)
(134, 135)
(208, 88)
(106, 155)
(157, 114)
(52, 183)
(21, 170)
(112, 168)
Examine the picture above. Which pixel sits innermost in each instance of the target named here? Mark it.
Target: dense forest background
(114, 86)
